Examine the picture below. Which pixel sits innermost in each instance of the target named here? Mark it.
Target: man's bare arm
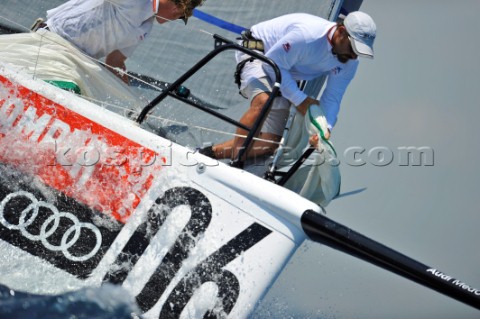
(116, 60)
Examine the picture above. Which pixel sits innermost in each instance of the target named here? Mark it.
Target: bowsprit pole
(328, 232)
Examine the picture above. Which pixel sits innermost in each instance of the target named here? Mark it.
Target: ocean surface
(169, 52)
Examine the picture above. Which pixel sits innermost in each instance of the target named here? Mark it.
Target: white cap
(362, 31)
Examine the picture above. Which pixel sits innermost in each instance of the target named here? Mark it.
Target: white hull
(224, 231)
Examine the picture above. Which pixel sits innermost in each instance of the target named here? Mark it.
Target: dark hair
(188, 5)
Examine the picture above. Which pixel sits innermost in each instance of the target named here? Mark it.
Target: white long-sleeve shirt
(299, 44)
(99, 27)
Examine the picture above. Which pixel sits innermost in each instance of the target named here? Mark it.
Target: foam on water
(107, 301)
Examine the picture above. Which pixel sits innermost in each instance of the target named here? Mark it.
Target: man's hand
(313, 140)
(318, 124)
(327, 134)
(116, 60)
(303, 107)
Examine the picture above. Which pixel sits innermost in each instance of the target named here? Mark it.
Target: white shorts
(278, 115)
(254, 82)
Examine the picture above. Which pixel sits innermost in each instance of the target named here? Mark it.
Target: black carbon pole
(328, 232)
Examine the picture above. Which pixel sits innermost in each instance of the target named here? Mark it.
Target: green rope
(317, 125)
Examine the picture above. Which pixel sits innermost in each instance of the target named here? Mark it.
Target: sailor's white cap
(362, 31)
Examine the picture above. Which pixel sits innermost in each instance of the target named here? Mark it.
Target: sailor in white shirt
(113, 28)
(304, 47)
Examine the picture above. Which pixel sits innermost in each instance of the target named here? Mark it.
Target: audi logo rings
(50, 226)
